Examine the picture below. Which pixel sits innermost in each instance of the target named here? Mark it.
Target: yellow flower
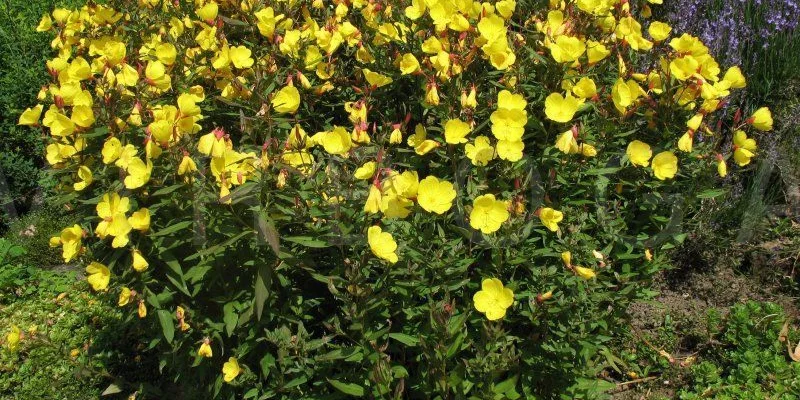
(722, 167)
(588, 150)
(186, 166)
(374, 200)
(382, 244)
(566, 257)
(659, 31)
(509, 124)
(585, 273)
(394, 206)
(567, 49)
(84, 178)
(434, 195)
(469, 100)
(405, 184)
(165, 52)
(44, 24)
(623, 94)
(510, 150)
(735, 78)
(336, 141)
(408, 64)
(375, 79)
(559, 108)
(425, 147)
(31, 116)
(240, 57)
(214, 143)
(456, 131)
(596, 51)
(684, 67)
(488, 214)
(639, 153)
(98, 276)
(505, 8)
(567, 144)
(287, 100)
(13, 337)
(366, 171)
(744, 148)
(493, 299)
(432, 95)
(70, 241)
(694, 122)
(231, 369)
(125, 295)
(157, 77)
(138, 173)
(480, 152)
(585, 88)
(510, 101)
(208, 12)
(761, 119)
(550, 218)
(205, 350)
(112, 209)
(112, 149)
(61, 126)
(141, 310)
(396, 137)
(267, 21)
(665, 165)
(138, 261)
(140, 220)
(685, 142)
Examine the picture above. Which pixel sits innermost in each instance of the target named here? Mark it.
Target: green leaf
(296, 382)
(455, 347)
(167, 190)
(711, 193)
(173, 228)
(230, 317)
(407, 340)
(263, 281)
(307, 241)
(347, 388)
(266, 363)
(167, 325)
(218, 247)
(506, 385)
(603, 171)
(111, 389)
(266, 229)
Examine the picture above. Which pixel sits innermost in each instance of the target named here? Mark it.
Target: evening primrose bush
(420, 199)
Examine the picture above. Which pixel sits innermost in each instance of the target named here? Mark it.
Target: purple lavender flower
(733, 29)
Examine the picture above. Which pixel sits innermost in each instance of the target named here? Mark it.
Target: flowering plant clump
(383, 199)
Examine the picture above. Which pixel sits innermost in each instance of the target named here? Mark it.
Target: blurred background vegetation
(715, 331)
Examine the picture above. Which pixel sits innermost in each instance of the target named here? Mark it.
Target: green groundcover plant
(412, 199)
(749, 359)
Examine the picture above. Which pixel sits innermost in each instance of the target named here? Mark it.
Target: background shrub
(263, 258)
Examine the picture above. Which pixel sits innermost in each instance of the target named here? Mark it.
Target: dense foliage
(65, 334)
(749, 357)
(433, 199)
